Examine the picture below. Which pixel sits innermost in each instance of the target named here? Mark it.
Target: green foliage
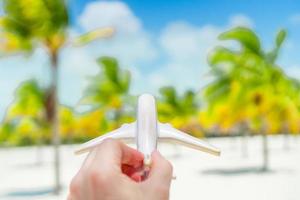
(273, 54)
(109, 86)
(32, 21)
(25, 25)
(281, 35)
(218, 90)
(29, 101)
(179, 110)
(7, 129)
(245, 36)
(108, 90)
(249, 86)
(25, 121)
(92, 36)
(221, 55)
(170, 104)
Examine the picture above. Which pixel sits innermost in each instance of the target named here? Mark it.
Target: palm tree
(108, 90)
(26, 26)
(180, 110)
(67, 123)
(29, 104)
(7, 129)
(246, 79)
(90, 123)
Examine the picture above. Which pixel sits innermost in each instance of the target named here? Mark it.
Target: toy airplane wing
(146, 131)
(124, 133)
(169, 134)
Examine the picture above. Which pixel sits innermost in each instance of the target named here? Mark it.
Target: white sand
(199, 176)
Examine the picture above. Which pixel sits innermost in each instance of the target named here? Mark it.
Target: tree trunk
(39, 153)
(244, 144)
(285, 136)
(286, 142)
(117, 117)
(55, 121)
(40, 145)
(233, 143)
(265, 149)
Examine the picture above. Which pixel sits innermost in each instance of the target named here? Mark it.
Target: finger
(111, 154)
(161, 170)
(128, 170)
(131, 156)
(133, 173)
(88, 161)
(137, 177)
(78, 186)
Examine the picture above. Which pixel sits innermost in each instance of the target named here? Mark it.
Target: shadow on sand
(29, 165)
(237, 171)
(29, 192)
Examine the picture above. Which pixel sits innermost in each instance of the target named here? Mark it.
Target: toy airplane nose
(146, 131)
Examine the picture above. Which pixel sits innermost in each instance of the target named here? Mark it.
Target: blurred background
(225, 71)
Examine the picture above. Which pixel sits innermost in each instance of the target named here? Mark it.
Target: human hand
(113, 171)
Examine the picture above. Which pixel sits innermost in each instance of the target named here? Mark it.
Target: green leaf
(221, 55)
(110, 67)
(110, 85)
(93, 35)
(217, 90)
(273, 54)
(169, 94)
(281, 35)
(125, 79)
(188, 102)
(245, 36)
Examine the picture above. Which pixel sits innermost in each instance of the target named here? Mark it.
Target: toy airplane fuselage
(146, 131)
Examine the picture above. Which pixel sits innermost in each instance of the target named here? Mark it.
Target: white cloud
(177, 56)
(114, 13)
(187, 47)
(76, 66)
(182, 41)
(184, 46)
(16, 69)
(293, 71)
(157, 80)
(295, 19)
(132, 45)
(240, 20)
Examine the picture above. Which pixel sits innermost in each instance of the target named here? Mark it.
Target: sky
(160, 42)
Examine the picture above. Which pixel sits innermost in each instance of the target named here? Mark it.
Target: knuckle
(96, 178)
(110, 144)
(93, 174)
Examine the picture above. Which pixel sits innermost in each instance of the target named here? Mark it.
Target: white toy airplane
(146, 131)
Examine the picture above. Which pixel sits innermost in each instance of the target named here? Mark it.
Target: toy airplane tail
(146, 131)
